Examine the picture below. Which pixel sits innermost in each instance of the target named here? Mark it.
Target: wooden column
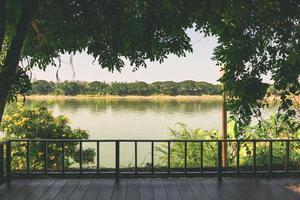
(224, 125)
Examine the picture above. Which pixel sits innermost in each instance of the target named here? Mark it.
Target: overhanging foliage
(256, 38)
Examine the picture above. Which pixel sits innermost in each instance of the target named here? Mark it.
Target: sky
(196, 66)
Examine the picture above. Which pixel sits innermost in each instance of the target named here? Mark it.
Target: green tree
(138, 88)
(97, 87)
(118, 89)
(37, 122)
(70, 88)
(42, 87)
(188, 88)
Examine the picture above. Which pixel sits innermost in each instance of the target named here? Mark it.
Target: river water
(135, 119)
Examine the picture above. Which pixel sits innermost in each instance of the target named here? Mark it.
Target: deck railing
(7, 147)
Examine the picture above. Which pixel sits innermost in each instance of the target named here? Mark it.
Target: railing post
(287, 155)
(98, 158)
(135, 158)
(169, 157)
(270, 156)
(27, 157)
(201, 156)
(62, 157)
(117, 160)
(46, 158)
(1, 161)
(219, 161)
(8, 158)
(237, 156)
(152, 157)
(185, 157)
(80, 157)
(254, 157)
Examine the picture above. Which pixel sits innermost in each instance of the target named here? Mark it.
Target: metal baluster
(238, 156)
(169, 157)
(152, 157)
(219, 161)
(201, 156)
(8, 158)
(98, 158)
(185, 156)
(27, 158)
(63, 157)
(135, 158)
(46, 158)
(80, 157)
(270, 156)
(287, 155)
(254, 157)
(117, 160)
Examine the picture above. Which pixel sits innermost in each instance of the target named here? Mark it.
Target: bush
(181, 132)
(37, 122)
(273, 128)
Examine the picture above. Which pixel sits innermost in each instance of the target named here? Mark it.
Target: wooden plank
(132, 192)
(6, 186)
(171, 189)
(67, 190)
(94, 190)
(53, 189)
(197, 188)
(80, 189)
(107, 189)
(26, 190)
(12, 188)
(120, 190)
(246, 188)
(185, 189)
(40, 190)
(146, 190)
(216, 190)
(158, 189)
(282, 188)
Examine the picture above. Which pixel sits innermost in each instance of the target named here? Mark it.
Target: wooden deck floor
(155, 189)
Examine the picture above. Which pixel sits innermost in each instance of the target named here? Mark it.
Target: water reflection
(170, 106)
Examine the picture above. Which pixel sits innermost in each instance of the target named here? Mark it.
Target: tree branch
(40, 36)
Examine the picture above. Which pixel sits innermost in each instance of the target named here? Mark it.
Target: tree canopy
(256, 38)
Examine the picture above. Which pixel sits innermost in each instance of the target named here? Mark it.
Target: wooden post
(224, 125)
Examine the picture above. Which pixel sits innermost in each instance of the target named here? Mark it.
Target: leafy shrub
(273, 128)
(37, 122)
(181, 132)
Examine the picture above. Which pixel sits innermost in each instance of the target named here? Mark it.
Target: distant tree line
(72, 88)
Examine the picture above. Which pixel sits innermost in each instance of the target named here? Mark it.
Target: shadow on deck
(153, 188)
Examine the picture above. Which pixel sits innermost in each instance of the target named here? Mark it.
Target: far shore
(137, 98)
(128, 97)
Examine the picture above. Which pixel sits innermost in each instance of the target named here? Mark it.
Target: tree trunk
(12, 59)
(2, 22)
